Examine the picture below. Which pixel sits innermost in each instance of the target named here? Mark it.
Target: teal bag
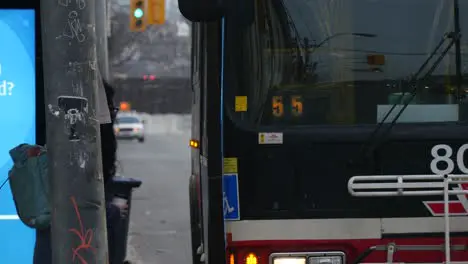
(29, 183)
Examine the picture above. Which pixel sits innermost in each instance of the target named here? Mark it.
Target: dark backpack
(30, 185)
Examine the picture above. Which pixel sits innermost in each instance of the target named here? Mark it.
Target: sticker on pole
(231, 197)
(270, 138)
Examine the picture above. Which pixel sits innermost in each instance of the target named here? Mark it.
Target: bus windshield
(341, 62)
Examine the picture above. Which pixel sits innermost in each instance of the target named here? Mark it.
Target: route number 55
(277, 106)
(443, 163)
(296, 105)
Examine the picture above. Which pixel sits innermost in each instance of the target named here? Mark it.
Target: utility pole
(307, 53)
(458, 58)
(70, 76)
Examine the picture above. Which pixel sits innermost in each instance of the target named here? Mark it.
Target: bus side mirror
(202, 10)
(241, 12)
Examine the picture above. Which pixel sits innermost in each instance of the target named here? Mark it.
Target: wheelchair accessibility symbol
(231, 197)
(227, 208)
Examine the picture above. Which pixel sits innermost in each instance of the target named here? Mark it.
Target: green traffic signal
(138, 13)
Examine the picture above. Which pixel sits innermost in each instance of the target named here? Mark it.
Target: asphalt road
(159, 228)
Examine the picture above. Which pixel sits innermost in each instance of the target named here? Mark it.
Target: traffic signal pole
(73, 142)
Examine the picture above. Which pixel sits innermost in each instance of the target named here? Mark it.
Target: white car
(129, 127)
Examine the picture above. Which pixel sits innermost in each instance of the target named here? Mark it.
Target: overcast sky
(127, 2)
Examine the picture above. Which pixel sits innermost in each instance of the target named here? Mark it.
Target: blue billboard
(17, 122)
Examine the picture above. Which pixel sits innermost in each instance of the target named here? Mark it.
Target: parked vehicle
(130, 126)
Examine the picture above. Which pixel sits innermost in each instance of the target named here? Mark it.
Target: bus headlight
(326, 260)
(323, 257)
(289, 260)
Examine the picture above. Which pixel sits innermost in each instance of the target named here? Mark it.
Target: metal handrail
(411, 185)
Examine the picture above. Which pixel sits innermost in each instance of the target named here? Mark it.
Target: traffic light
(156, 12)
(137, 15)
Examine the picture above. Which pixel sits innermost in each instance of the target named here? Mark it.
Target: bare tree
(158, 46)
(123, 44)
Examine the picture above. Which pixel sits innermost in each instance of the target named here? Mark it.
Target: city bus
(329, 131)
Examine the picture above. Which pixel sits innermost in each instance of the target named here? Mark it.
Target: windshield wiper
(418, 82)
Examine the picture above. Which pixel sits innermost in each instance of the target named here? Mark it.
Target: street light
(357, 34)
(364, 35)
(307, 54)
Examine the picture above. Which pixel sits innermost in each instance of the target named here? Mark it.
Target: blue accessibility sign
(231, 197)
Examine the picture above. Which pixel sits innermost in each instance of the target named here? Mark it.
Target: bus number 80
(442, 162)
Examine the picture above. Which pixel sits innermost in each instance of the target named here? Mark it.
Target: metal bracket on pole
(411, 185)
